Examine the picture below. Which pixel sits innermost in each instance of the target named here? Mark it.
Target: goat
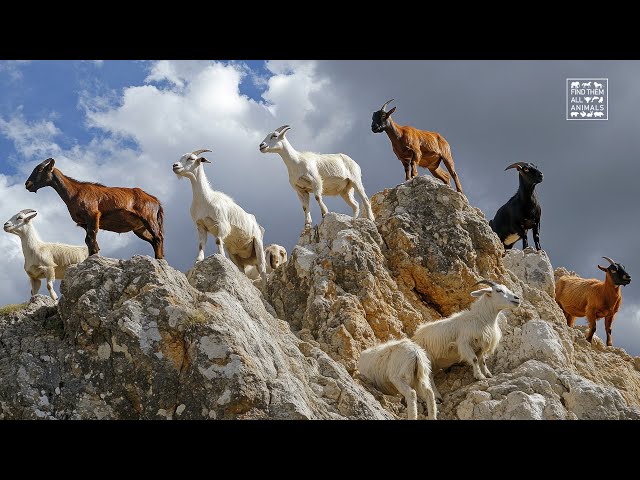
(216, 213)
(274, 255)
(400, 366)
(42, 259)
(592, 298)
(522, 212)
(93, 206)
(321, 174)
(415, 147)
(470, 335)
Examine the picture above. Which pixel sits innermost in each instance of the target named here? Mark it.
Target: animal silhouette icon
(593, 100)
(587, 99)
(574, 114)
(598, 85)
(583, 114)
(601, 98)
(575, 84)
(598, 114)
(586, 84)
(590, 114)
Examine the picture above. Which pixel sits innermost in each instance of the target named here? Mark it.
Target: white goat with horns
(320, 174)
(468, 336)
(216, 213)
(43, 259)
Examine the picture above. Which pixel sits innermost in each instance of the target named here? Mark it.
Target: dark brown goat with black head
(93, 206)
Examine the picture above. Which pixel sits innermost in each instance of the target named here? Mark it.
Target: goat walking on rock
(415, 147)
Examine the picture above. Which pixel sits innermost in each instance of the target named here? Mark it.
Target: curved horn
(199, 152)
(517, 165)
(486, 282)
(385, 105)
(611, 262)
(27, 210)
(281, 130)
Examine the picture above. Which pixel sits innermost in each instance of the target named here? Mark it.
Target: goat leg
(608, 321)
(536, 235)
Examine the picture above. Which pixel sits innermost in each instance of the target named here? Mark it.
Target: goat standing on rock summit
(592, 298)
(216, 213)
(415, 147)
(320, 174)
(522, 211)
(96, 207)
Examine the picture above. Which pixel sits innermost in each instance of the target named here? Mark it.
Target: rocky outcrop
(138, 339)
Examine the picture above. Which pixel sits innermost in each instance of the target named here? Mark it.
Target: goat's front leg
(591, 318)
(220, 244)
(536, 235)
(407, 170)
(35, 285)
(482, 360)
(93, 225)
(468, 355)
(304, 199)
(525, 240)
(608, 322)
(202, 242)
(413, 164)
(50, 274)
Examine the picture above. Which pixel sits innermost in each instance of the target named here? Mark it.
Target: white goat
(469, 335)
(216, 213)
(42, 259)
(320, 174)
(400, 366)
(274, 255)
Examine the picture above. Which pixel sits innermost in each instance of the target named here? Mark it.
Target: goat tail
(423, 382)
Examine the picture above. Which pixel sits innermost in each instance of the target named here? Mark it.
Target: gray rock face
(136, 339)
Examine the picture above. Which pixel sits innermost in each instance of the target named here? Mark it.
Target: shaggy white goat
(274, 255)
(42, 259)
(468, 336)
(216, 213)
(400, 366)
(320, 174)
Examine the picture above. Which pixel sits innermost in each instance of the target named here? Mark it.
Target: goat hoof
(488, 375)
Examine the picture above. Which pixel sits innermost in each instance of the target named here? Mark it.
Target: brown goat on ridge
(592, 298)
(415, 147)
(93, 206)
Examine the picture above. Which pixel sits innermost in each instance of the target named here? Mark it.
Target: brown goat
(415, 147)
(93, 206)
(592, 298)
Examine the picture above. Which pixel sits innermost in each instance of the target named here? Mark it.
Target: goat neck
(64, 186)
(289, 154)
(610, 289)
(29, 238)
(525, 189)
(393, 131)
(485, 309)
(199, 183)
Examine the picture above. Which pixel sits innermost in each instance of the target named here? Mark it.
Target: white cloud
(13, 68)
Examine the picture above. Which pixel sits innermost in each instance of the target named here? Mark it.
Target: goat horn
(27, 210)
(199, 152)
(486, 282)
(385, 105)
(609, 260)
(515, 165)
(282, 128)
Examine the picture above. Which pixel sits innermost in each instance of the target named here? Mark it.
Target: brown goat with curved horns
(592, 298)
(93, 206)
(415, 147)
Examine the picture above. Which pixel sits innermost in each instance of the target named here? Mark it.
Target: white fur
(320, 174)
(400, 366)
(216, 213)
(469, 335)
(42, 259)
(273, 254)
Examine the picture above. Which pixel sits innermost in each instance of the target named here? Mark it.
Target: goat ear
(604, 269)
(50, 163)
(390, 112)
(481, 292)
(203, 160)
(29, 216)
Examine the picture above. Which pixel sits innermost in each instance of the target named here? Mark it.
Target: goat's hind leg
(347, 196)
(409, 394)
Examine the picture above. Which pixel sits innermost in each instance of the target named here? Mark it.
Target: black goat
(522, 211)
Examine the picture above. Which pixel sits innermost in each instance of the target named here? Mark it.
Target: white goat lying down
(216, 213)
(42, 259)
(468, 336)
(400, 366)
(320, 174)
(274, 255)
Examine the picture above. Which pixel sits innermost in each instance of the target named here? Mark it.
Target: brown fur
(117, 209)
(590, 298)
(415, 147)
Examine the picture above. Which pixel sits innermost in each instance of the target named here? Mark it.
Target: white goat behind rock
(274, 255)
(320, 174)
(216, 213)
(42, 259)
(468, 336)
(400, 366)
